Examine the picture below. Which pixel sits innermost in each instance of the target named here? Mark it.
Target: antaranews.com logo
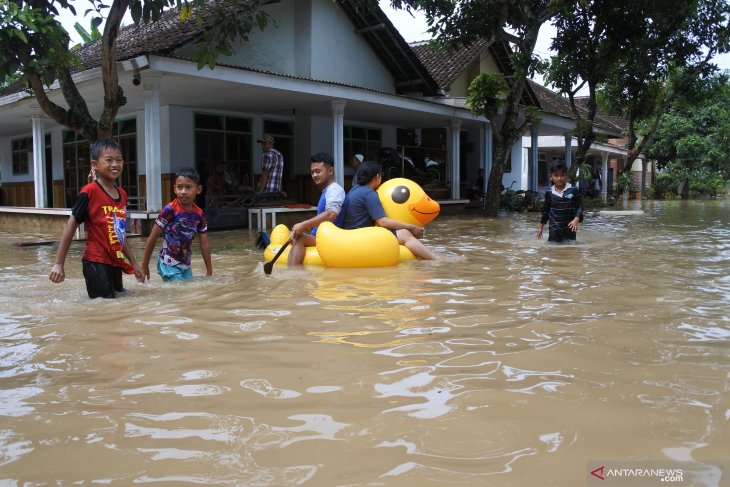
(635, 474)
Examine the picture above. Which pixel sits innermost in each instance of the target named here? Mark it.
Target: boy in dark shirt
(563, 207)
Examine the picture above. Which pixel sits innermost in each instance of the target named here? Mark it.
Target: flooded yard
(525, 365)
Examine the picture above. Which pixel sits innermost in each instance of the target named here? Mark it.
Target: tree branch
(54, 111)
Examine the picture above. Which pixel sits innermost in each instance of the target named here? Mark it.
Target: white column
(604, 176)
(39, 163)
(455, 157)
(534, 166)
(489, 148)
(153, 151)
(338, 139)
(568, 150)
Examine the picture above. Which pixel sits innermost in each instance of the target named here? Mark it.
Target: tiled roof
(160, 37)
(554, 103)
(446, 65)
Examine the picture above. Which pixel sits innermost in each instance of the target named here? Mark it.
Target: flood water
(517, 367)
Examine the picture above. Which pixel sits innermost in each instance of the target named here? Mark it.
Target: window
(360, 140)
(76, 163)
(219, 138)
(21, 148)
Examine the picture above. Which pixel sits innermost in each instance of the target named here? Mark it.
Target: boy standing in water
(101, 205)
(179, 221)
(563, 207)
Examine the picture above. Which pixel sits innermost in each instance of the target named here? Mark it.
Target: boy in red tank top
(101, 205)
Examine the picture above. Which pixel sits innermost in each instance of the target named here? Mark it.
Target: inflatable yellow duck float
(402, 200)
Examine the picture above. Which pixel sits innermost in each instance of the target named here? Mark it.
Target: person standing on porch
(272, 167)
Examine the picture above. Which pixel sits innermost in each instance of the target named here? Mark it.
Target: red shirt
(105, 219)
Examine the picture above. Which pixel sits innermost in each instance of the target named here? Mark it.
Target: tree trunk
(494, 189)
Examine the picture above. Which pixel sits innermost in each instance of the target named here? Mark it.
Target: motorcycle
(418, 167)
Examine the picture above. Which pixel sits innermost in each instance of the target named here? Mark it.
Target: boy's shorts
(561, 235)
(102, 280)
(173, 273)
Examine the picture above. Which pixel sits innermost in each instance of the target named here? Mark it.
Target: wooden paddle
(270, 265)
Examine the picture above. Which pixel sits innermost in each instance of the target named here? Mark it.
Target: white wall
(181, 123)
(313, 39)
(271, 49)
(348, 59)
(518, 168)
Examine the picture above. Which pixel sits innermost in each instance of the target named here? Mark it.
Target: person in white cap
(272, 167)
(355, 164)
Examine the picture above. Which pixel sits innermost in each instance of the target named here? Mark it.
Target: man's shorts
(102, 280)
(173, 273)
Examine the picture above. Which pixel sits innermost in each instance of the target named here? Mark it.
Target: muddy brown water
(517, 367)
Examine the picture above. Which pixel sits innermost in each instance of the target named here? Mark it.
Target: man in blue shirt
(364, 209)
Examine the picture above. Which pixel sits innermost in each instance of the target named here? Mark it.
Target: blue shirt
(362, 208)
(179, 226)
(332, 199)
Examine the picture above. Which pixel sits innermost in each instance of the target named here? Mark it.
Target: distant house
(454, 70)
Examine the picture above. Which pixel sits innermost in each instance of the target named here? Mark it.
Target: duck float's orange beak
(425, 209)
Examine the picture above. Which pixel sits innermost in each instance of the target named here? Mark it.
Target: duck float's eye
(400, 194)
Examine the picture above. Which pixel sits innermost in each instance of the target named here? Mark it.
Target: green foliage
(665, 186)
(703, 185)
(32, 39)
(88, 36)
(693, 137)
(505, 22)
(590, 203)
(654, 70)
(623, 182)
(486, 94)
(584, 173)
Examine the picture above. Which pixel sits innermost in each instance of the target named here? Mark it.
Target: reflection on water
(517, 367)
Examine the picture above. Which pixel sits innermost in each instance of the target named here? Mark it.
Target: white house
(326, 77)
